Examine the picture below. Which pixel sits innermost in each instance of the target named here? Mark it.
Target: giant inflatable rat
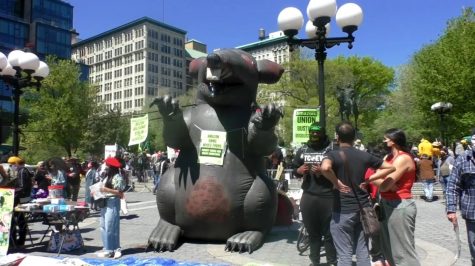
(218, 188)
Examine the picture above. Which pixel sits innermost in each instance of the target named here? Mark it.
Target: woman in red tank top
(397, 236)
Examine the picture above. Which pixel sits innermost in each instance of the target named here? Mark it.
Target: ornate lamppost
(442, 108)
(21, 70)
(349, 16)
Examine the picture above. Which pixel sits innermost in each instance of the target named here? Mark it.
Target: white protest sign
(212, 147)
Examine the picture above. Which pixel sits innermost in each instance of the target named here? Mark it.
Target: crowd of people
(340, 178)
(66, 173)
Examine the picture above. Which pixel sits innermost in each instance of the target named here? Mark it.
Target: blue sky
(392, 30)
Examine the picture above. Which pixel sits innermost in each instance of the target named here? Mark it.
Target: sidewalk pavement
(435, 240)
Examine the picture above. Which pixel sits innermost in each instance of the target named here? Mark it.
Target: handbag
(100, 203)
(378, 208)
(368, 217)
(72, 240)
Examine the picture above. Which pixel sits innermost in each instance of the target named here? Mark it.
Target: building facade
(194, 49)
(134, 63)
(43, 26)
(273, 47)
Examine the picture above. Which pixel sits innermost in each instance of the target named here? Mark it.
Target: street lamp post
(349, 16)
(20, 70)
(442, 108)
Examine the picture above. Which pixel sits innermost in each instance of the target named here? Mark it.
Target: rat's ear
(196, 65)
(269, 72)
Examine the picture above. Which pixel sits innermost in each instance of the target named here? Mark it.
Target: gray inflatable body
(233, 200)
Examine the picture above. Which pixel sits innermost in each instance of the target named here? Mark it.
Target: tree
(59, 111)
(399, 110)
(443, 71)
(106, 128)
(298, 88)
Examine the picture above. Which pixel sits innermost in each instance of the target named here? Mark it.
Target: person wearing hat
(22, 185)
(317, 199)
(113, 188)
(425, 147)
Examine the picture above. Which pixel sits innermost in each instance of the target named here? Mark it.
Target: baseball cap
(315, 126)
(113, 162)
(15, 160)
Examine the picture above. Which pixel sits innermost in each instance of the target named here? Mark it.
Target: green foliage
(58, 112)
(105, 129)
(444, 71)
(400, 111)
(298, 89)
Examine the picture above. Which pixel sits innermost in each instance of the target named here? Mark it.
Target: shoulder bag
(368, 216)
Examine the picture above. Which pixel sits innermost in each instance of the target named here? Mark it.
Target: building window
(139, 45)
(109, 43)
(118, 39)
(128, 36)
(118, 51)
(118, 73)
(139, 32)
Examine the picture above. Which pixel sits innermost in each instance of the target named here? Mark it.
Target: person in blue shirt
(461, 191)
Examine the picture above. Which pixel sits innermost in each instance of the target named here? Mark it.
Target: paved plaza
(435, 239)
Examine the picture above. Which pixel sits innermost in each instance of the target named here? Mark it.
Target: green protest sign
(138, 130)
(302, 119)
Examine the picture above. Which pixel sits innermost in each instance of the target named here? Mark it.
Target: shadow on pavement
(129, 217)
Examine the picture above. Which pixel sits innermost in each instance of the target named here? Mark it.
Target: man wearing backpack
(22, 184)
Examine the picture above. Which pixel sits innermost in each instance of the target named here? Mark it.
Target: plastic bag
(72, 240)
(123, 206)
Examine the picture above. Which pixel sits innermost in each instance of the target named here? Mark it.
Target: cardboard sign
(138, 130)
(302, 119)
(212, 147)
(6, 212)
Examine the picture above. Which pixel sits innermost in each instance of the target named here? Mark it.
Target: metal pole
(321, 90)
(441, 126)
(16, 121)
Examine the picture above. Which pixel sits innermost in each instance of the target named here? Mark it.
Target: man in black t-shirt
(317, 199)
(346, 168)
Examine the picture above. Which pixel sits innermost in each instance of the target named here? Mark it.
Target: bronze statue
(347, 98)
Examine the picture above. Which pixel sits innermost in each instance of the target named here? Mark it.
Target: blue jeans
(156, 181)
(348, 235)
(428, 188)
(110, 224)
(471, 238)
(443, 182)
(87, 196)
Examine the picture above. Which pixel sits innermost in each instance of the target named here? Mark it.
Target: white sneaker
(105, 254)
(117, 253)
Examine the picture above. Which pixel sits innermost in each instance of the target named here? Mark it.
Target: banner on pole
(302, 119)
(138, 130)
